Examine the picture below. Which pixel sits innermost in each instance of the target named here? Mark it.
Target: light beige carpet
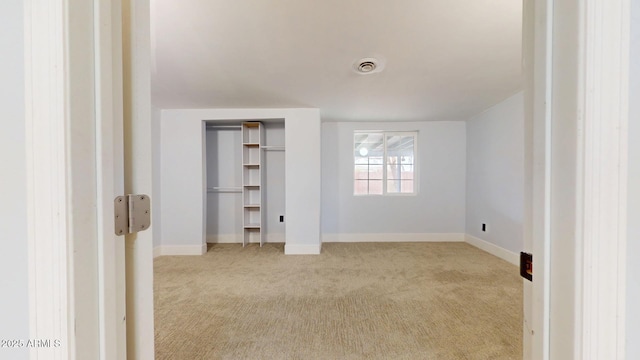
(354, 301)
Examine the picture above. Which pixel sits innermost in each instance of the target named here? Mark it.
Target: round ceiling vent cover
(367, 66)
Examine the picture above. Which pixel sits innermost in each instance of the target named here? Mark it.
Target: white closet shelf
(252, 177)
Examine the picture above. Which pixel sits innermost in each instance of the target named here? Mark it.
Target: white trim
(398, 237)
(50, 256)
(298, 249)
(110, 179)
(224, 239)
(237, 239)
(602, 174)
(538, 66)
(493, 249)
(179, 250)
(138, 175)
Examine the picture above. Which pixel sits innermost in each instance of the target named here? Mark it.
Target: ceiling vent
(367, 66)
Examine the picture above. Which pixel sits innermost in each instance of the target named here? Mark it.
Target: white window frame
(416, 176)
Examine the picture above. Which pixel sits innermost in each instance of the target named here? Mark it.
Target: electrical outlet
(281, 218)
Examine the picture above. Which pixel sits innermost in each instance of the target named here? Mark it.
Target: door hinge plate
(132, 213)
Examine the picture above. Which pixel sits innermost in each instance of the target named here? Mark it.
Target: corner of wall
(495, 250)
(494, 171)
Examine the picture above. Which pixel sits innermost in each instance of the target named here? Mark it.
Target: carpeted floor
(354, 301)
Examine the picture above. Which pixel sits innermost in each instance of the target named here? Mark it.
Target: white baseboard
(295, 249)
(172, 250)
(410, 237)
(493, 249)
(237, 239)
(224, 239)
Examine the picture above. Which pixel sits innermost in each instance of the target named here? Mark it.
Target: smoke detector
(368, 66)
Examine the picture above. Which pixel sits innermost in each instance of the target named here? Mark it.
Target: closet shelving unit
(252, 181)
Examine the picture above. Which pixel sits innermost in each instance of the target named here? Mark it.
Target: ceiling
(443, 59)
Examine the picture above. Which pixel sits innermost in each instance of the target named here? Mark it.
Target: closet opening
(245, 176)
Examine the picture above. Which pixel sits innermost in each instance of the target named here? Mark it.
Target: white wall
(156, 196)
(14, 301)
(303, 183)
(633, 243)
(274, 179)
(224, 169)
(438, 208)
(184, 179)
(495, 174)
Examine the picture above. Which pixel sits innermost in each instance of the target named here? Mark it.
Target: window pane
(361, 187)
(361, 172)
(376, 160)
(367, 138)
(406, 172)
(400, 145)
(393, 171)
(360, 160)
(359, 138)
(407, 186)
(399, 186)
(375, 172)
(407, 160)
(393, 186)
(368, 144)
(375, 187)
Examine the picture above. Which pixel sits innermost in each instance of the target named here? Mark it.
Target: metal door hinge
(132, 213)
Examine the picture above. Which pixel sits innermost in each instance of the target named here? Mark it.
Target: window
(384, 163)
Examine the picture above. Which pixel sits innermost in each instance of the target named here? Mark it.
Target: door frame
(600, 212)
(61, 178)
(46, 122)
(590, 288)
(110, 177)
(537, 70)
(578, 91)
(74, 159)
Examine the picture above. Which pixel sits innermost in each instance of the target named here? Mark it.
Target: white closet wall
(224, 179)
(274, 181)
